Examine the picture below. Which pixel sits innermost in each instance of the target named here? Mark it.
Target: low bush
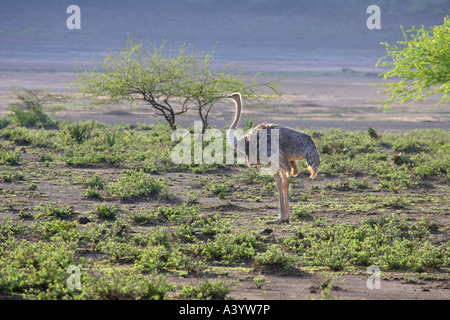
(137, 184)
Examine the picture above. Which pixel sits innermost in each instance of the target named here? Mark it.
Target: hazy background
(280, 35)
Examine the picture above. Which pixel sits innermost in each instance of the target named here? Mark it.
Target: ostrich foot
(279, 221)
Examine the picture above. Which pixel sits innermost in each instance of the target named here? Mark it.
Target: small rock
(266, 231)
(84, 220)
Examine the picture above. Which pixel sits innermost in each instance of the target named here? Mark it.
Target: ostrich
(292, 146)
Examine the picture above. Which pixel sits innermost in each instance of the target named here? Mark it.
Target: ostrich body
(292, 146)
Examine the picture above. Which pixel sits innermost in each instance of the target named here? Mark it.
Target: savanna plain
(95, 188)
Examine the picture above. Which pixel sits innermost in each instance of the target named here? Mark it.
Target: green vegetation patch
(137, 226)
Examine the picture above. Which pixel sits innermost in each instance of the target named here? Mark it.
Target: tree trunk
(204, 119)
(204, 116)
(164, 110)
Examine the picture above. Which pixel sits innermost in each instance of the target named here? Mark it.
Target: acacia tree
(421, 64)
(137, 73)
(169, 83)
(207, 87)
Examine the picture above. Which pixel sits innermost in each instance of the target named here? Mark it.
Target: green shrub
(124, 285)
(4, 122)
(230, 247)
(96, 181)
(28, 110)
(9, 157)
(37, 270)
(260, 281)
(91, 192)
(390, 242)
(32, 118)
(51, 210)
(303, 211)
(137, 184)
(275, 257)
(12, 176)
(106, 211)
(206, 291)
(219, 189)
(159, 258)
(66, 230)
(79, 131)
(143, 217)
(119, 250)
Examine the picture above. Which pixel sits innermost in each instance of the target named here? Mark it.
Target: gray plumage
(292, 146)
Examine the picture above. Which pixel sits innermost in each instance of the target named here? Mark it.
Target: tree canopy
(421, 63)
(170, 81)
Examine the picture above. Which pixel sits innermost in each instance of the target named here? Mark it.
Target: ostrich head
(235, 96)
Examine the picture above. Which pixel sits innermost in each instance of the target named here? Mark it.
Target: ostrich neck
(231, 137)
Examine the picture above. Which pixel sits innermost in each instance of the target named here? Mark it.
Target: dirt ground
(313, 100)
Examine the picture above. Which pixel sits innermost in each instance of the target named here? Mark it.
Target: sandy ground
(313, 99)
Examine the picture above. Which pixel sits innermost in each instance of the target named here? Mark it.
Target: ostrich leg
(285, 176)
(280, 187)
